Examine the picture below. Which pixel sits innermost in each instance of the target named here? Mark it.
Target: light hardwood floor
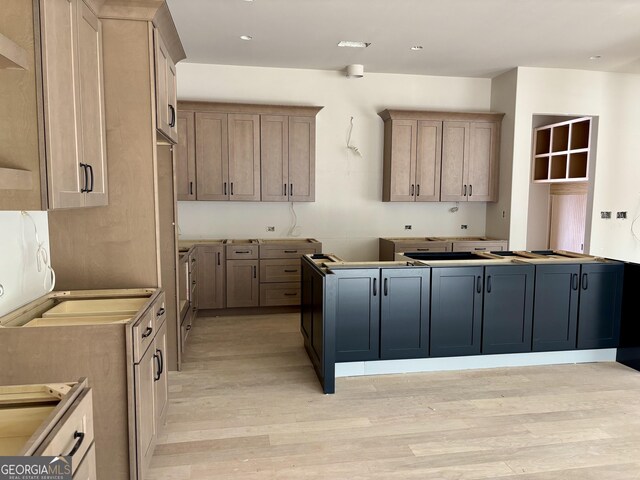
(247, 405)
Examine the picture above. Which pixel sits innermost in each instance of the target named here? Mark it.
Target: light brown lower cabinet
(276, 294)
(211, 276)
(243, 283)
(87, 468)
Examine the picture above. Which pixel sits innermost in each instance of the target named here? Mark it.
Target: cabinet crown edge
(393, 114)
(262, 109)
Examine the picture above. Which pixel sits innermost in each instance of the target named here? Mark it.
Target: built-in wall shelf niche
(561, 151)
(12, 55)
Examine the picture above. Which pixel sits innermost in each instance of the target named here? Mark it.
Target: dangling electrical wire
(294, 231)
(42, 256)
(353, 148)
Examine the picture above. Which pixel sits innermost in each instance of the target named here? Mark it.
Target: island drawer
(276, 294)
(280, 270)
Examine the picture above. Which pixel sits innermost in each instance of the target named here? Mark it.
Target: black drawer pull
(585, 281)
(255, 272)
(160, 312)
(291, 189)
(465, 191)
(156, 360)
(231, 188)
(412, 189)
(423, 249)
(417, 190)
(218, 258)
(188, 328)
(291, 251)
(172, 122)
(79, 436)
(242, 251)
(291, 294)
(386, 287)
(190, 188)
(147, 332)
(480, 249)
(375, 287)
(291, 271)
(574, 281)
(225, 188)
(479, 284)
(86, 178)
(470, 190)
(90, 168)
(489, 284)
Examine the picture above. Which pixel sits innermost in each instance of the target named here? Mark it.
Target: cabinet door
(274, 153)
(357, 315)
(428, 161)
(243, 285)
(482, 165)
(144, 373)
(600, 307)
(92, 116)
(302, 159)
(456, 311)
(210, 276)
(400, 170)
(161, 384)
(555, 312)
(508, 309)
(404, 313)
(212, 156)
(186, 157)
(165, 89)
(455, 151)
(65, 176)
(244, 157)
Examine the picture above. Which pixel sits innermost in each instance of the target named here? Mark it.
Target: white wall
(348, 215)
(19, 274)
(615, 98)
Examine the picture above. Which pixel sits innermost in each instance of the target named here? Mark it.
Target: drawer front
(143, 333)
(73, 435)
(159, 310)
(280, 271)
(87, 468)
(289, 251)
(423, 247)
(242, 252)
(275, 294)
(479, 246)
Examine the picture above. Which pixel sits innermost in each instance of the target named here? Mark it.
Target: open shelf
(561, 151)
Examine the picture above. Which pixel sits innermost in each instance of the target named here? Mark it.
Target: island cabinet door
(404, 313)
(508, 309)
(456, 310)
(357, 314)
(600, 307)
(555, 311)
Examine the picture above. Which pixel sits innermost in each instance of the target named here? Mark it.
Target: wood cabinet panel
(482, 166)
(211, 276)
(166, 118)
(302, 159)
(243, 284)
(161, 382)
(274, 154)
(145, 409)
(401, 161)
(455, 151)
(428, 161)
(280, 270)
(244, 157)
(277, 294)
(185, 152)
(212, 156)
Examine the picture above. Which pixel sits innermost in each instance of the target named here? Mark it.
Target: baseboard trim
(229, 312)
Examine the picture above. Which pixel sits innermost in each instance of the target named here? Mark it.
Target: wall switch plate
(622, 215)
(463, 227)
(605, 214)
(408, 227)
(271, 229)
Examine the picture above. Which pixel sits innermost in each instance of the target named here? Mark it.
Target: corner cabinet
(73, 104)
(237, 152)
(440, 156)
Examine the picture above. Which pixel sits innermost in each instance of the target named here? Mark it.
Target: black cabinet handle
(231, 188)
(190, 188)
(225, 188)
(480, 249)
(255, 272)
(423, 249)
(375, 287)
(285, 189)
(470, 190)
(188, 328)
(479, 284)
(90, 168)
(290, 294)
(156, 360)
(147, 332)
(412, 190)
(291, 271)
(85, 188)
(172, 122)
(79, 436)
(418, 190)
(489, 284)
(386, 287)
(218, 258)
(242, 251)
(465, 191)
(574, 281)
(585, 281)
(291, 251)
(160, 312)
(161, 361)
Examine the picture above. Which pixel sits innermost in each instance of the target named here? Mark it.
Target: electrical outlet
(271, 229)
(622, 215)
(408, 227)
(605, 214)
(463, 227)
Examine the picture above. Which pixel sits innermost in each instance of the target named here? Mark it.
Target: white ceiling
(473, 38)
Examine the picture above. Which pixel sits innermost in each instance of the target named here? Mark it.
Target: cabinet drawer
(288, 251)
(143, 332)
(423, 247)
(279, 271)
(274, 294)
(242, 252)
(73, 435)
(159, 310)
(479, 246)
(87, 468)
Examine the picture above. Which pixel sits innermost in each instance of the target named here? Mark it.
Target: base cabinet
(145, 372)
(508, 309)
(243, 284)
(211, 276)
(555, 320)
(456, 311)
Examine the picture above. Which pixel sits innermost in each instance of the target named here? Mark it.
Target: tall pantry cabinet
(131, 243)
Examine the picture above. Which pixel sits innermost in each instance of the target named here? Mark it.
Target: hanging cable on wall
(294, 230)
(42, 256)
(351, 147)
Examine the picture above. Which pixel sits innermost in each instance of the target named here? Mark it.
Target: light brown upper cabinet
(440, 156)
(186, 157)
(73, 97)
(166, 99)
(288, 158)
(248, 152)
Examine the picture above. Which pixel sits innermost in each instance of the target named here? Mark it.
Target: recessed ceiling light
(416, 47)
(348, 43)
(595, 57)
(246, 37)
